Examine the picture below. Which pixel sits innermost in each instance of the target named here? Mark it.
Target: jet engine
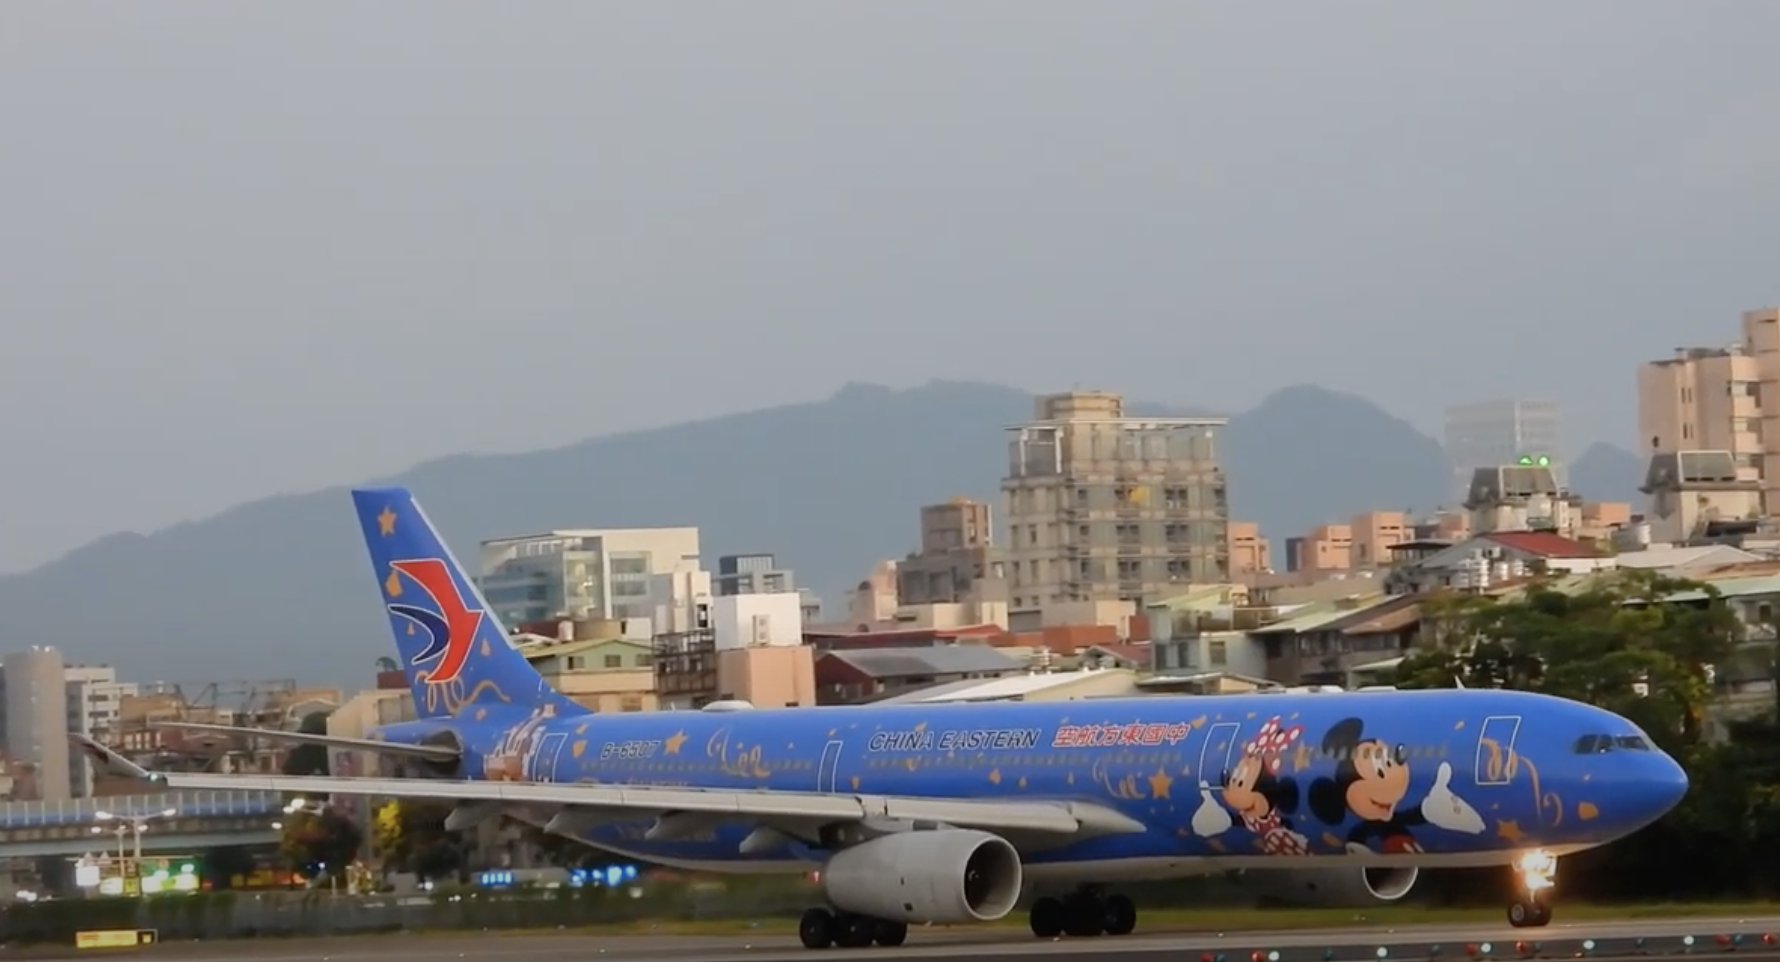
(1333, 886)
(944, 875)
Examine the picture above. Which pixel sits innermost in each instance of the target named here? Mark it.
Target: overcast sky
(249, 248)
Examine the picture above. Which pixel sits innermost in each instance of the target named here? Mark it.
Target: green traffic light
(1526, 460)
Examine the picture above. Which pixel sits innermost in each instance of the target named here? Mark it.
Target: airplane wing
(785, 810)
(435, 752)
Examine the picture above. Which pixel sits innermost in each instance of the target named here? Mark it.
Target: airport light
(1535, 461)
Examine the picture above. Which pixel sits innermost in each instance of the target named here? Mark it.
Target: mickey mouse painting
(1371, 780)
(1256, 792)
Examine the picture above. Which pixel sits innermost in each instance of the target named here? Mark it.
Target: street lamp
(131, 825)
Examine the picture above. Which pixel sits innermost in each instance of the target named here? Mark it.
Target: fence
(188, 804)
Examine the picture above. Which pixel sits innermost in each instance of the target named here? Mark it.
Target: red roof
(1542, 544)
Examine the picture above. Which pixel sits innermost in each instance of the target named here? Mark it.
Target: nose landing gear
(1536, 879)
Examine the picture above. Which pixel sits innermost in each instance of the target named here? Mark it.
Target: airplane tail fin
(451, 646)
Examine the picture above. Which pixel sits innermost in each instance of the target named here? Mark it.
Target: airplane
(956, 813)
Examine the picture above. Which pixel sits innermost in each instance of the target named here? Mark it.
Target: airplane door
(543, 761)
(1496, 767)
(831, 763)
(1216, 752)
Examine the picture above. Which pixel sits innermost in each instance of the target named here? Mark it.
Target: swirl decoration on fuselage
(735, 758)
(1500, 766)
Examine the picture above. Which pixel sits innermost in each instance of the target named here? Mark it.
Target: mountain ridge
(830, 486)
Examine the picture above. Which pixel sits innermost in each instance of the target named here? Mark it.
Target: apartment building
(1250, 553)
(1101, 506)
(1484, 434)
(1712, 399)
(647, 578)
(957, 562)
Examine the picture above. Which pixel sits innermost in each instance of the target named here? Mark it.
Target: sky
(248, 249)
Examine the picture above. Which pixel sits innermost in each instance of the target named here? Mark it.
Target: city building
(34, 691)
(760, 574)
(1698, 496)
(1105, 507)
(957, 562)
(870, 674)
(1489, 433)
(738, 648)
(95, 704)
(1250, 553)
(646, 578)
(1711, 399)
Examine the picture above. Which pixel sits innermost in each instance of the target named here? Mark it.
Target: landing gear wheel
(1049, 918)
(1119, 915)
(1528, 913)
(891, 934)
(816, 929)
(854, 931)
(1086, 916)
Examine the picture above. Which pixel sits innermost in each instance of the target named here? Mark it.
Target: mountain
(279, 587)
(1605, 472)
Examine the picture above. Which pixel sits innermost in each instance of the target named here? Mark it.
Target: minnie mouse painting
(1256, 792)
(1371, 780)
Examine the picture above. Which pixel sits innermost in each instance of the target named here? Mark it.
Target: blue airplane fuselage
(1428, 778)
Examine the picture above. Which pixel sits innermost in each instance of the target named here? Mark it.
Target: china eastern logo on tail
(450, 624)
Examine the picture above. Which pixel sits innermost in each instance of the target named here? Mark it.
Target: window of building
(614, 661)
(1217, 652)
(630, 564)
(645, 660)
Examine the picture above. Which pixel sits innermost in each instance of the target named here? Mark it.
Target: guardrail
(186, 804)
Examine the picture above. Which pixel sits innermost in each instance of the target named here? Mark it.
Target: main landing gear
(1085, 912)
(1535, 879)
(819, 928)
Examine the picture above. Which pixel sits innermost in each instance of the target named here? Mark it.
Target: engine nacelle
(944, 876)
(1333, 886)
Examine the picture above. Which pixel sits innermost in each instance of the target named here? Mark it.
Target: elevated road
(198, 820)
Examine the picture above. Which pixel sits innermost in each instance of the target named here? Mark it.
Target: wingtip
(109, 761)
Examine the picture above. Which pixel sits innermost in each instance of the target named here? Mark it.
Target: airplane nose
(1661, 786)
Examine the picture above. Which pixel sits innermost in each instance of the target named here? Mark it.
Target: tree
(387, 663)
(319, 843)
(309, 759)
(410, 833)
(1616, 643)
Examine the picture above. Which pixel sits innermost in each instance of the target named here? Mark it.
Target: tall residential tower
(1101, 506)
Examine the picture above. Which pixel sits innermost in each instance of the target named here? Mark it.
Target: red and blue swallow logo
(450, 624)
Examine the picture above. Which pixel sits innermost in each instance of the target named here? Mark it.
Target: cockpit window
(1593, 744)
(1599, 744)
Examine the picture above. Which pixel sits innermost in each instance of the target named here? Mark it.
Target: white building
(623, 574)
(1490, 434)
(95, 698)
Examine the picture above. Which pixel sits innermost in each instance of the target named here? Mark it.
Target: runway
(1754, 939)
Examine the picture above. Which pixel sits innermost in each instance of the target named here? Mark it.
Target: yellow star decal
(1160, 783)
(392, 585)
(1509, 830)
(386, 522)
(671, 745)
(1587, 811)
(995, 775)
